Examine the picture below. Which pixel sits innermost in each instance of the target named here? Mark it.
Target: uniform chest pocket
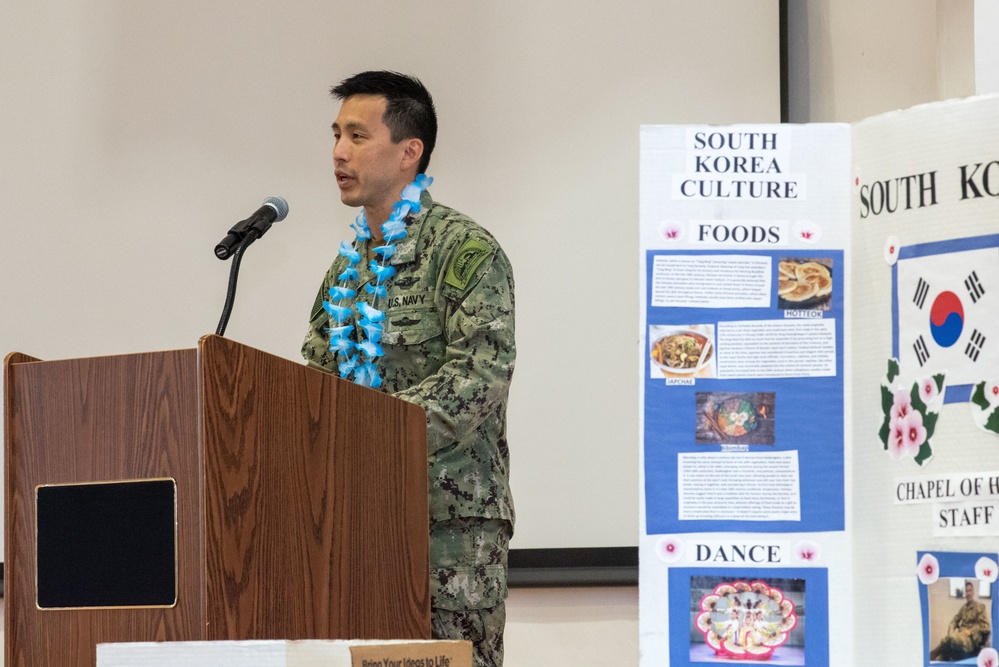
(411, 325)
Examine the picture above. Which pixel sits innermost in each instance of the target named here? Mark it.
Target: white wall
(986, 22)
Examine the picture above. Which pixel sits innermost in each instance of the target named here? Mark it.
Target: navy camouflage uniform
(449, 347)
(967, 634)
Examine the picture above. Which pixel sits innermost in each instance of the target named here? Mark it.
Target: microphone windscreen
(280, 206)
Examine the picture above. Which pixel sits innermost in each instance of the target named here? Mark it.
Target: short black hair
(410, 109)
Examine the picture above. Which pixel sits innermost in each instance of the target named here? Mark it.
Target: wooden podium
(300, 499)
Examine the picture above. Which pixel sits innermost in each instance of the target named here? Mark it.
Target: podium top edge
(21, 358)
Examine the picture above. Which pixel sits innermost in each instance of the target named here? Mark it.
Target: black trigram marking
(974, 287)
(922, 289)
(975, 345)
(922, 354)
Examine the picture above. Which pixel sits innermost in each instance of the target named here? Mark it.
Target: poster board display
(819, 389)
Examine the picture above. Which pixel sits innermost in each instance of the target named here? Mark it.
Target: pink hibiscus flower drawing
(928, 569)
(910, 414)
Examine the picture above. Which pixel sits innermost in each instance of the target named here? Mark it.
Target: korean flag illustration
(946, 311)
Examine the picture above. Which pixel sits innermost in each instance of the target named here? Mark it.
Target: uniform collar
(405, 249)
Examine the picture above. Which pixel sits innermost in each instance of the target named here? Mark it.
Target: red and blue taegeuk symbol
(946, 319)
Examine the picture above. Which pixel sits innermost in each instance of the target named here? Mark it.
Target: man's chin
(349, 199)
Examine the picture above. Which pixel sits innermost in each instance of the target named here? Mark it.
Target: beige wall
(850, 59)
(134, 134)
(572, 626)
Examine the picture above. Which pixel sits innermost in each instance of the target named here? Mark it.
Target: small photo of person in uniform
(959, 627)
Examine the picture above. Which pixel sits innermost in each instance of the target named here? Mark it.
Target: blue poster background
(808, 416)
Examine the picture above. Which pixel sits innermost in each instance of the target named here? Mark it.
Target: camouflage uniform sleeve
(315, 347)
(980, 626)
(479, 329)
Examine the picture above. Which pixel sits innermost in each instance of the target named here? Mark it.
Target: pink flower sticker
(913, 433)
(671, 231)
(669, 549)
(988, 657)
(928, 569)
(806, 551)
(901, 405)
(906, 435)
(806, 231)
(986, 568)
(891, 250)
(896, 440)
(928, 391)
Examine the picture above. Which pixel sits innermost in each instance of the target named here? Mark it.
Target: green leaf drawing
(993, 423)
(916, 400)
(887, 399)
(930, 423)
(892, 369)
(978, 396)
(924, 452)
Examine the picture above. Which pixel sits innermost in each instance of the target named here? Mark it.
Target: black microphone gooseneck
(275, 209)
(242, 235)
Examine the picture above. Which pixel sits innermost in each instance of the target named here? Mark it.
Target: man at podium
(421, 305)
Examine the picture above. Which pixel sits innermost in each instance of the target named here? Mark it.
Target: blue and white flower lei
(360, 359)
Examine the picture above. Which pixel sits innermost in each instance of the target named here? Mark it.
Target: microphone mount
(274, 209)
(240, 237)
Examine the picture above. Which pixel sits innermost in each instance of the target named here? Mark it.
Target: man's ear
(412, 153)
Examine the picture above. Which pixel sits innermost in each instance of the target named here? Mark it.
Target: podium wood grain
(301, 499)
(277, 496)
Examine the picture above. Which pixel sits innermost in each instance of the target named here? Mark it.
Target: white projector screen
(134, 134)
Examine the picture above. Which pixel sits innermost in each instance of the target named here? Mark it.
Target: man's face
(369, 168)
(969, 592)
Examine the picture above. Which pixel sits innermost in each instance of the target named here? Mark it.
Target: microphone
(275, 209)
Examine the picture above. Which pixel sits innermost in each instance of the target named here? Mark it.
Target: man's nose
(340, 152)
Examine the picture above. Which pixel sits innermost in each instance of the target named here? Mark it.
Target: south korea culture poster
(745, 293)
(925, 390)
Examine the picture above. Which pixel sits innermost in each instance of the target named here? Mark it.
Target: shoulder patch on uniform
(465, 261)
(317, 306)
